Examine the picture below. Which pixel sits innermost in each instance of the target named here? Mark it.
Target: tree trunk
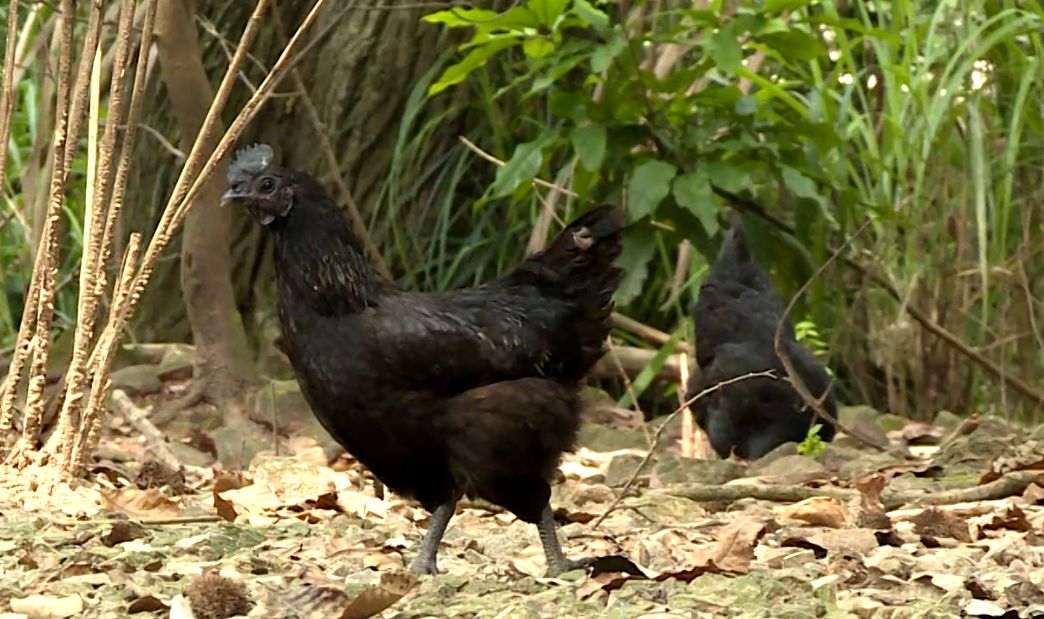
(359, 77)
(223, 359)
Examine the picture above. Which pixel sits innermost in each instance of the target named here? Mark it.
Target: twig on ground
(659, 432)
(139, 420)
(816, 402)
(1009, 485)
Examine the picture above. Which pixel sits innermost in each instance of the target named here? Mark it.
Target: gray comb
(249, 162)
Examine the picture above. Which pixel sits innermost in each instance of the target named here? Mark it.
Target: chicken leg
(425, 563)
(556, 559)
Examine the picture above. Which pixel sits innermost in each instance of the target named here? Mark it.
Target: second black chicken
(467, 392)
(735, 316)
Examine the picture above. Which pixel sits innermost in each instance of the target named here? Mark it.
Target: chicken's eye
(267, 184)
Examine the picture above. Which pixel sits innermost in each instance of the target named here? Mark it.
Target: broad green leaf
(557, 70)
(725, 49)
(522, 167)
(771, 26)
(604, 55)
(801, 185)
(649, 185)
(694, 193)
(782, 6)
(729, 177)
(638, 246)
(593, 16)
(795, 45)
(746, 105)
(460, 18)
(477, 57)
(537, 47)
(589, 144)
(547, 12)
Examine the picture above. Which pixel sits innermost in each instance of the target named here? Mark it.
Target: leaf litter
(853, 533)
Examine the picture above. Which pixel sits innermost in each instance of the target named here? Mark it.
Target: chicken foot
(425, 563)
(557, 562)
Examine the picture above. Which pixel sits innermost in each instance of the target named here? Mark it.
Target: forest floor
(947, 522)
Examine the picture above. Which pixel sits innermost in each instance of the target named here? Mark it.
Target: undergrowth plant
(810, 117)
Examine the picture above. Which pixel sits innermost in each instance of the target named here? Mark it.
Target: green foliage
(665, 143)
(808, 334)
(925, 118)
(813, 445)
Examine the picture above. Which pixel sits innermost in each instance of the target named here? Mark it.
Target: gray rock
(790, 470)
(688, 470)
(177, 362)
(137, 379)
(601, 438)
(621, 469)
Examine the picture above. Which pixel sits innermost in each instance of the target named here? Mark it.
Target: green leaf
(729, 177)
(801, 185)
(725, 49)
(746, 105)
(638, 246)
(782, 6)
(476, 58)
(461, 18)
(649, 185)
(589, 144)
(523, 166)
(547, 12)
(694, 193)
(604, 55)
(537, 47)
(593, 16)
(795, 45)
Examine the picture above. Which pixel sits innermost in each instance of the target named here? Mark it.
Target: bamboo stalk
(46, 265)
(97, 217)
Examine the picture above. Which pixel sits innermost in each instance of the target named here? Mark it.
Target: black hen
(468, 392)
(736, 315)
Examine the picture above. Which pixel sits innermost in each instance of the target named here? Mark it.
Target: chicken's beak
(233, 197)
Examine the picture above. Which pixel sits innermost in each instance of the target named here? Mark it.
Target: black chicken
(468, 392)
(735, 316)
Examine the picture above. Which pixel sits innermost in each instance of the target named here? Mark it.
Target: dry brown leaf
(1034, 494)
(146, 604)
(375, 599)
(227, 480)
(360, 504)
(149, 503)
(938, 523)
(859, 542)
(123, 531)
(1011, 518)
(823, 511)
(736, 542)
(44, 607)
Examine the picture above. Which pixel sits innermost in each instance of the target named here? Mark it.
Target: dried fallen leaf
(149, 503)
(736, 542)
(227, 481)
(123, 531)
(822, 511)
(375, 599)
(44, 607)
(939, 523)
(146, 604)
(859, 542)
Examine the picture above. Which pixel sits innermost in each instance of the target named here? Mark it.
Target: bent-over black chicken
(735, 318)
(441, 395)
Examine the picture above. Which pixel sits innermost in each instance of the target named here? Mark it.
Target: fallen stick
(1009, 485)
(139, 420)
